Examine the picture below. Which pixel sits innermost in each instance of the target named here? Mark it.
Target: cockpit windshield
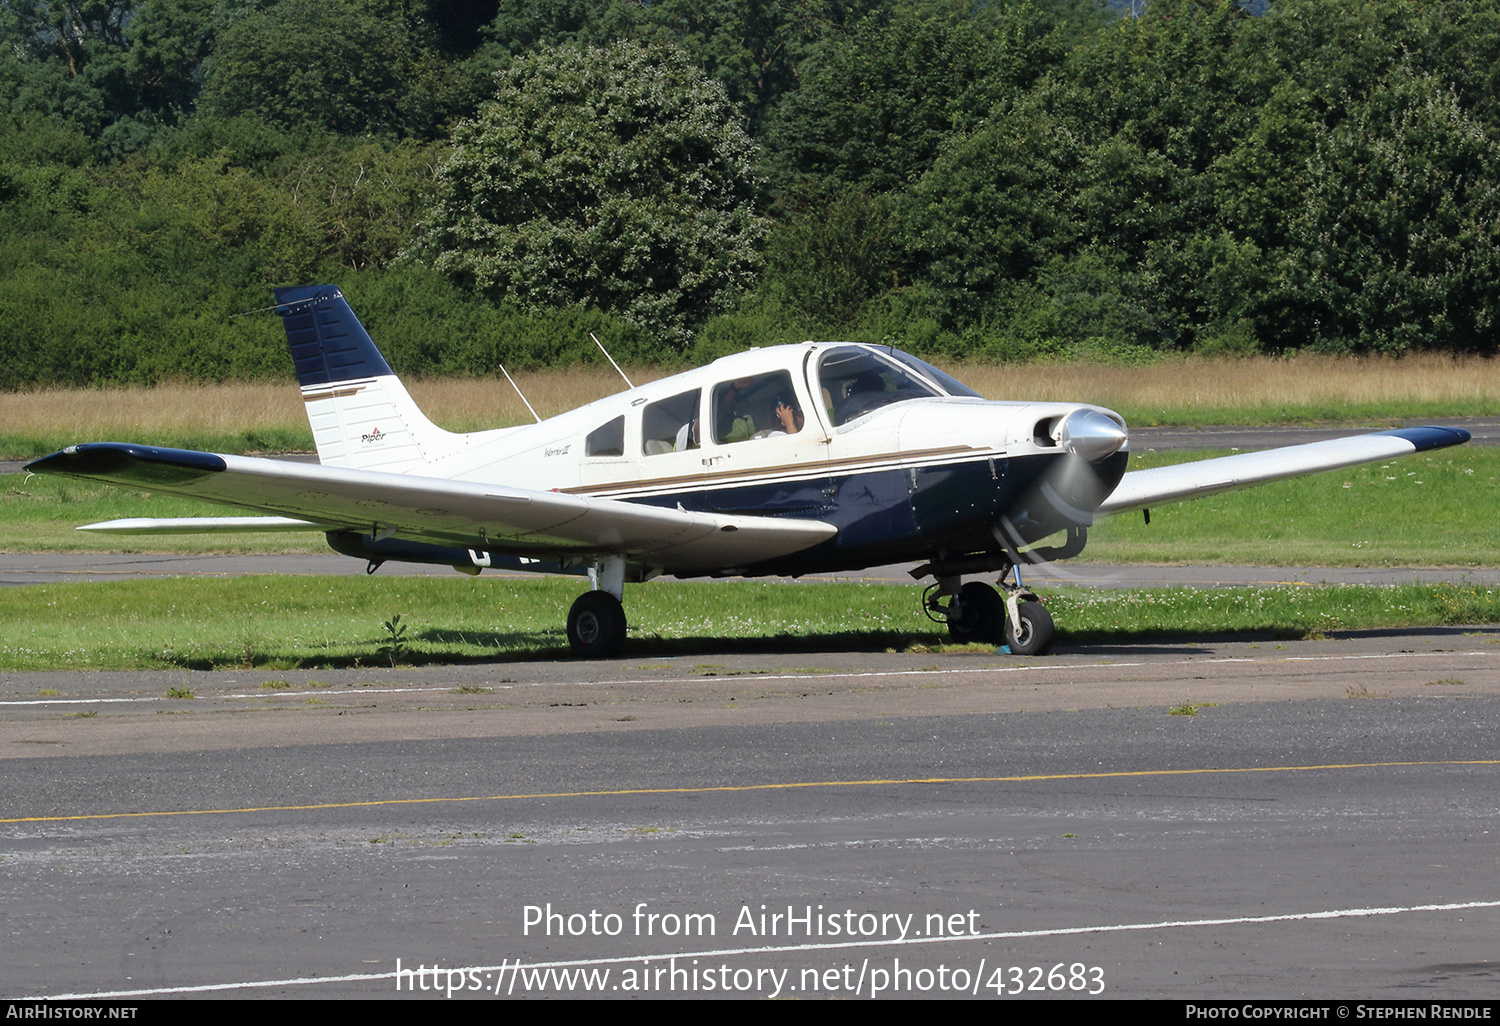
(855, 381)
(947, 382)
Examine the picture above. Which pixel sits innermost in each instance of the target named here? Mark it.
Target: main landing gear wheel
(596, 626)
(981, 617)
(1034, 636)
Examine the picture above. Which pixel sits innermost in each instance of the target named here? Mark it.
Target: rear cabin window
(760, 406)
(671, 425)
(608, 440)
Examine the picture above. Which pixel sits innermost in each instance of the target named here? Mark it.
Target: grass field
(1430, 509)
(40, 514)
(319, 622)
(1189, 390)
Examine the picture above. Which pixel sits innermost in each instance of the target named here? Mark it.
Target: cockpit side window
(607, 439)
(759, 406)
(671, 425)
(856, 381)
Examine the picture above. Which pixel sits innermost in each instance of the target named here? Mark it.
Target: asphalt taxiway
(1190, 820)
(1253, 819)
(19, 569)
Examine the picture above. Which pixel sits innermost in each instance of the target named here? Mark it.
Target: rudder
(361, 415)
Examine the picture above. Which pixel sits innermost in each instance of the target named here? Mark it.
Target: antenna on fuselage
(611, 359)
(518, 390)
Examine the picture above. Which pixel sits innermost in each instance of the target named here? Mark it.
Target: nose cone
(1091, 435)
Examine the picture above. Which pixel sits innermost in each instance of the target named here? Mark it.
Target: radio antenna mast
(611, 359)
(518, 390)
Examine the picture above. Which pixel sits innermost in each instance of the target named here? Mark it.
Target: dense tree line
(491, 181)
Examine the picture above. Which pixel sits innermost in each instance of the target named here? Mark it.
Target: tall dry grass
(126, 414)
(1183, 387)
(471, 404)
(1314, 382)
(129, 414)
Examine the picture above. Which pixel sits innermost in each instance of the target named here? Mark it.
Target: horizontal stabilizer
(201, 525)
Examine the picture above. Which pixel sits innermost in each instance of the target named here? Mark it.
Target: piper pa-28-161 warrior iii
(786, 460)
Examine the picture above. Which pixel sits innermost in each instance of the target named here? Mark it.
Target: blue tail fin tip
(327, 342)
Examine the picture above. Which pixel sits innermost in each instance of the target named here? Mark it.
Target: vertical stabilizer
(361, 415)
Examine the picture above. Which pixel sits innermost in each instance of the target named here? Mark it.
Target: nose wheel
(1029, 630)
(977, 612)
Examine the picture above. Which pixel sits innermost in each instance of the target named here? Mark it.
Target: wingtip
(109, 458)
(1430, 436)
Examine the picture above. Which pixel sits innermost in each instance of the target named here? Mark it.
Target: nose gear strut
(976, 612)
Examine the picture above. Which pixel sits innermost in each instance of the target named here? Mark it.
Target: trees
(983, 179)
(609, 177)
(345, 66)
(117, 70)
(1394, 244)
(878, 103)
(755, 48)
(752, 47)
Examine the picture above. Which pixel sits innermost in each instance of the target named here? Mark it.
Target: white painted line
(296, 691)
(1345, 913)
(289, 692)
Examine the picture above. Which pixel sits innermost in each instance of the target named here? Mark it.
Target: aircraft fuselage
(870, 444)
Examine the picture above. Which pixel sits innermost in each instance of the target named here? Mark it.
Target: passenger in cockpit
(791, 418)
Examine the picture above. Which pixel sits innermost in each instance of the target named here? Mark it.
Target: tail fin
(361, 415)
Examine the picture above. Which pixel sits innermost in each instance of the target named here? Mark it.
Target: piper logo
(375, 437)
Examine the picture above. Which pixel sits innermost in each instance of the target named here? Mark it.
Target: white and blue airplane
(787, 460)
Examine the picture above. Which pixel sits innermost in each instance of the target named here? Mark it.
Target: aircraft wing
(1140, 489)
(437, 510)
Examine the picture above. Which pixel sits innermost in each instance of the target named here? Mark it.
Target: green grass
(1431, 509)
(30, 446)
(306, 622)
(1100, 616)
(282, 622)
(39, 513)
(1375, 415)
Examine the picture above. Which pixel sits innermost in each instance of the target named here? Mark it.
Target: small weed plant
(394, 648)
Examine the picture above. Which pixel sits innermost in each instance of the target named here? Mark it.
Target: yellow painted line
(755, 787)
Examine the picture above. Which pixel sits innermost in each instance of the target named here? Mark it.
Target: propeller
(1069, 490)
(1092, 458)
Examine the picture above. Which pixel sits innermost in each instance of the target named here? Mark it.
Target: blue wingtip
(129, 463)
(1430, 437)
(327, 341)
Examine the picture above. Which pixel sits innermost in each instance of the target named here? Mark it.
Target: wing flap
(443, 511)
(1161, 485)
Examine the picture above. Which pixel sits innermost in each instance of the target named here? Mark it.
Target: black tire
(1035, 636)
(982, 616)
(596, 626)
